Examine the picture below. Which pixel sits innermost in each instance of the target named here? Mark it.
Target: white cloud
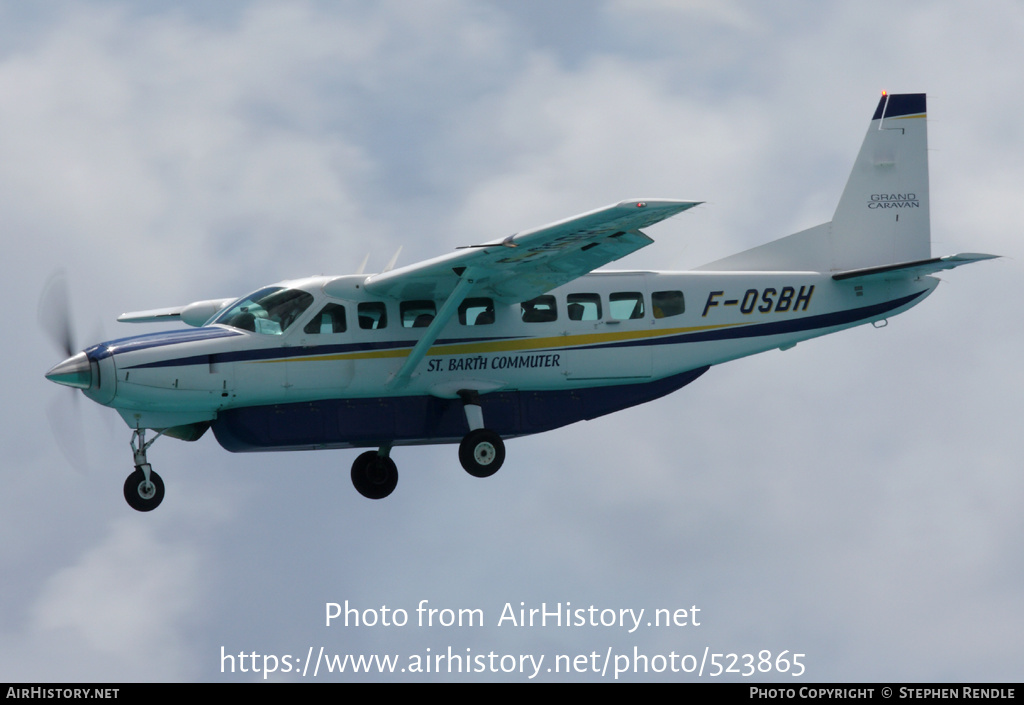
(123, 610)
(166, 157)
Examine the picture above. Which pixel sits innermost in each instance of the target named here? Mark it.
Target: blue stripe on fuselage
(283, 353)
(794, 325)
(156, 340)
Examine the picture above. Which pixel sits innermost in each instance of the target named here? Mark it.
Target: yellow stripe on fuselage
(559, 342)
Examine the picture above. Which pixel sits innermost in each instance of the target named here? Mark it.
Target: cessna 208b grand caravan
(514, 336)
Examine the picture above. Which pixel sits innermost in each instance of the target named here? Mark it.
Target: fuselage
(324, 376)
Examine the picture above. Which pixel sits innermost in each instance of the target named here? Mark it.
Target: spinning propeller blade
(54, 313)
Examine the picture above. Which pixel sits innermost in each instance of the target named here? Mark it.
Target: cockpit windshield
(268, 311)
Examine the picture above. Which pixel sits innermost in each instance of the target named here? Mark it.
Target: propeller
(54, 314)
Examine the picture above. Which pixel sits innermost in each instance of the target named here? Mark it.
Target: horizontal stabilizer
(915, 269)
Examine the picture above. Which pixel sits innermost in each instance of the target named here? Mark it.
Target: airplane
(516, 335)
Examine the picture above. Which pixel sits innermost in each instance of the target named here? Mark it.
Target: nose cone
(73, 372)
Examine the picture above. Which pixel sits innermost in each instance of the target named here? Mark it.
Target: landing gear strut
(482, 451)
(374, 474)
(143, 490)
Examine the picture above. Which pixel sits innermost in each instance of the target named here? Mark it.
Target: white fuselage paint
(727, 315)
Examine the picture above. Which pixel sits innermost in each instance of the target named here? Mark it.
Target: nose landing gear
(143, 493)
(144, 489)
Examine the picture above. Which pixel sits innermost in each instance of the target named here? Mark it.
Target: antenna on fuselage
(362, 267)
(391, 264)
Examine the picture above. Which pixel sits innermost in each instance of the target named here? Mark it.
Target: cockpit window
(268, 311)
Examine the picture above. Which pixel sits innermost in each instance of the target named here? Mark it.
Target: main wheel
(482, 452)
(143, 496)
(374, 477)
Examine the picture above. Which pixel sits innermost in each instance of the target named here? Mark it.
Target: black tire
(374, 477)
(482, 452)
(140, 497)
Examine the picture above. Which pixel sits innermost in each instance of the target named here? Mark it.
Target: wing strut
(448, 309)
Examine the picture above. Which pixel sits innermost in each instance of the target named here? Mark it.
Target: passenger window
(539, 310)
(373, 315)
(625, 305)
(417, 314)
(583, 307)
(476, 312)
(667, 303)
(331, 319)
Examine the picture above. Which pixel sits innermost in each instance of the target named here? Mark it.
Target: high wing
(517, 268)
(527, 264)
(521, 266)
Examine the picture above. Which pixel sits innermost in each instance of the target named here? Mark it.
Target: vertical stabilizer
(882, 216)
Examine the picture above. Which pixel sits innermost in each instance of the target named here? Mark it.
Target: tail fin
(882, 217)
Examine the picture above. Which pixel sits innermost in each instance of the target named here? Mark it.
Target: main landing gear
(481, 453)
(374, 474)
(143, 490)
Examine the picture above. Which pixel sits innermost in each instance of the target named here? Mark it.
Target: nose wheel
(142, 493)
(144, 489)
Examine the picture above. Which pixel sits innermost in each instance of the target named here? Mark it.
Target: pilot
(286, 312)
(244, 320)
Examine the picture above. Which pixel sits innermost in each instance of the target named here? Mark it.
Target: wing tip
(965, 257)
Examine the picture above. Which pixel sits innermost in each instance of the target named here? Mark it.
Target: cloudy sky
(855, 499)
